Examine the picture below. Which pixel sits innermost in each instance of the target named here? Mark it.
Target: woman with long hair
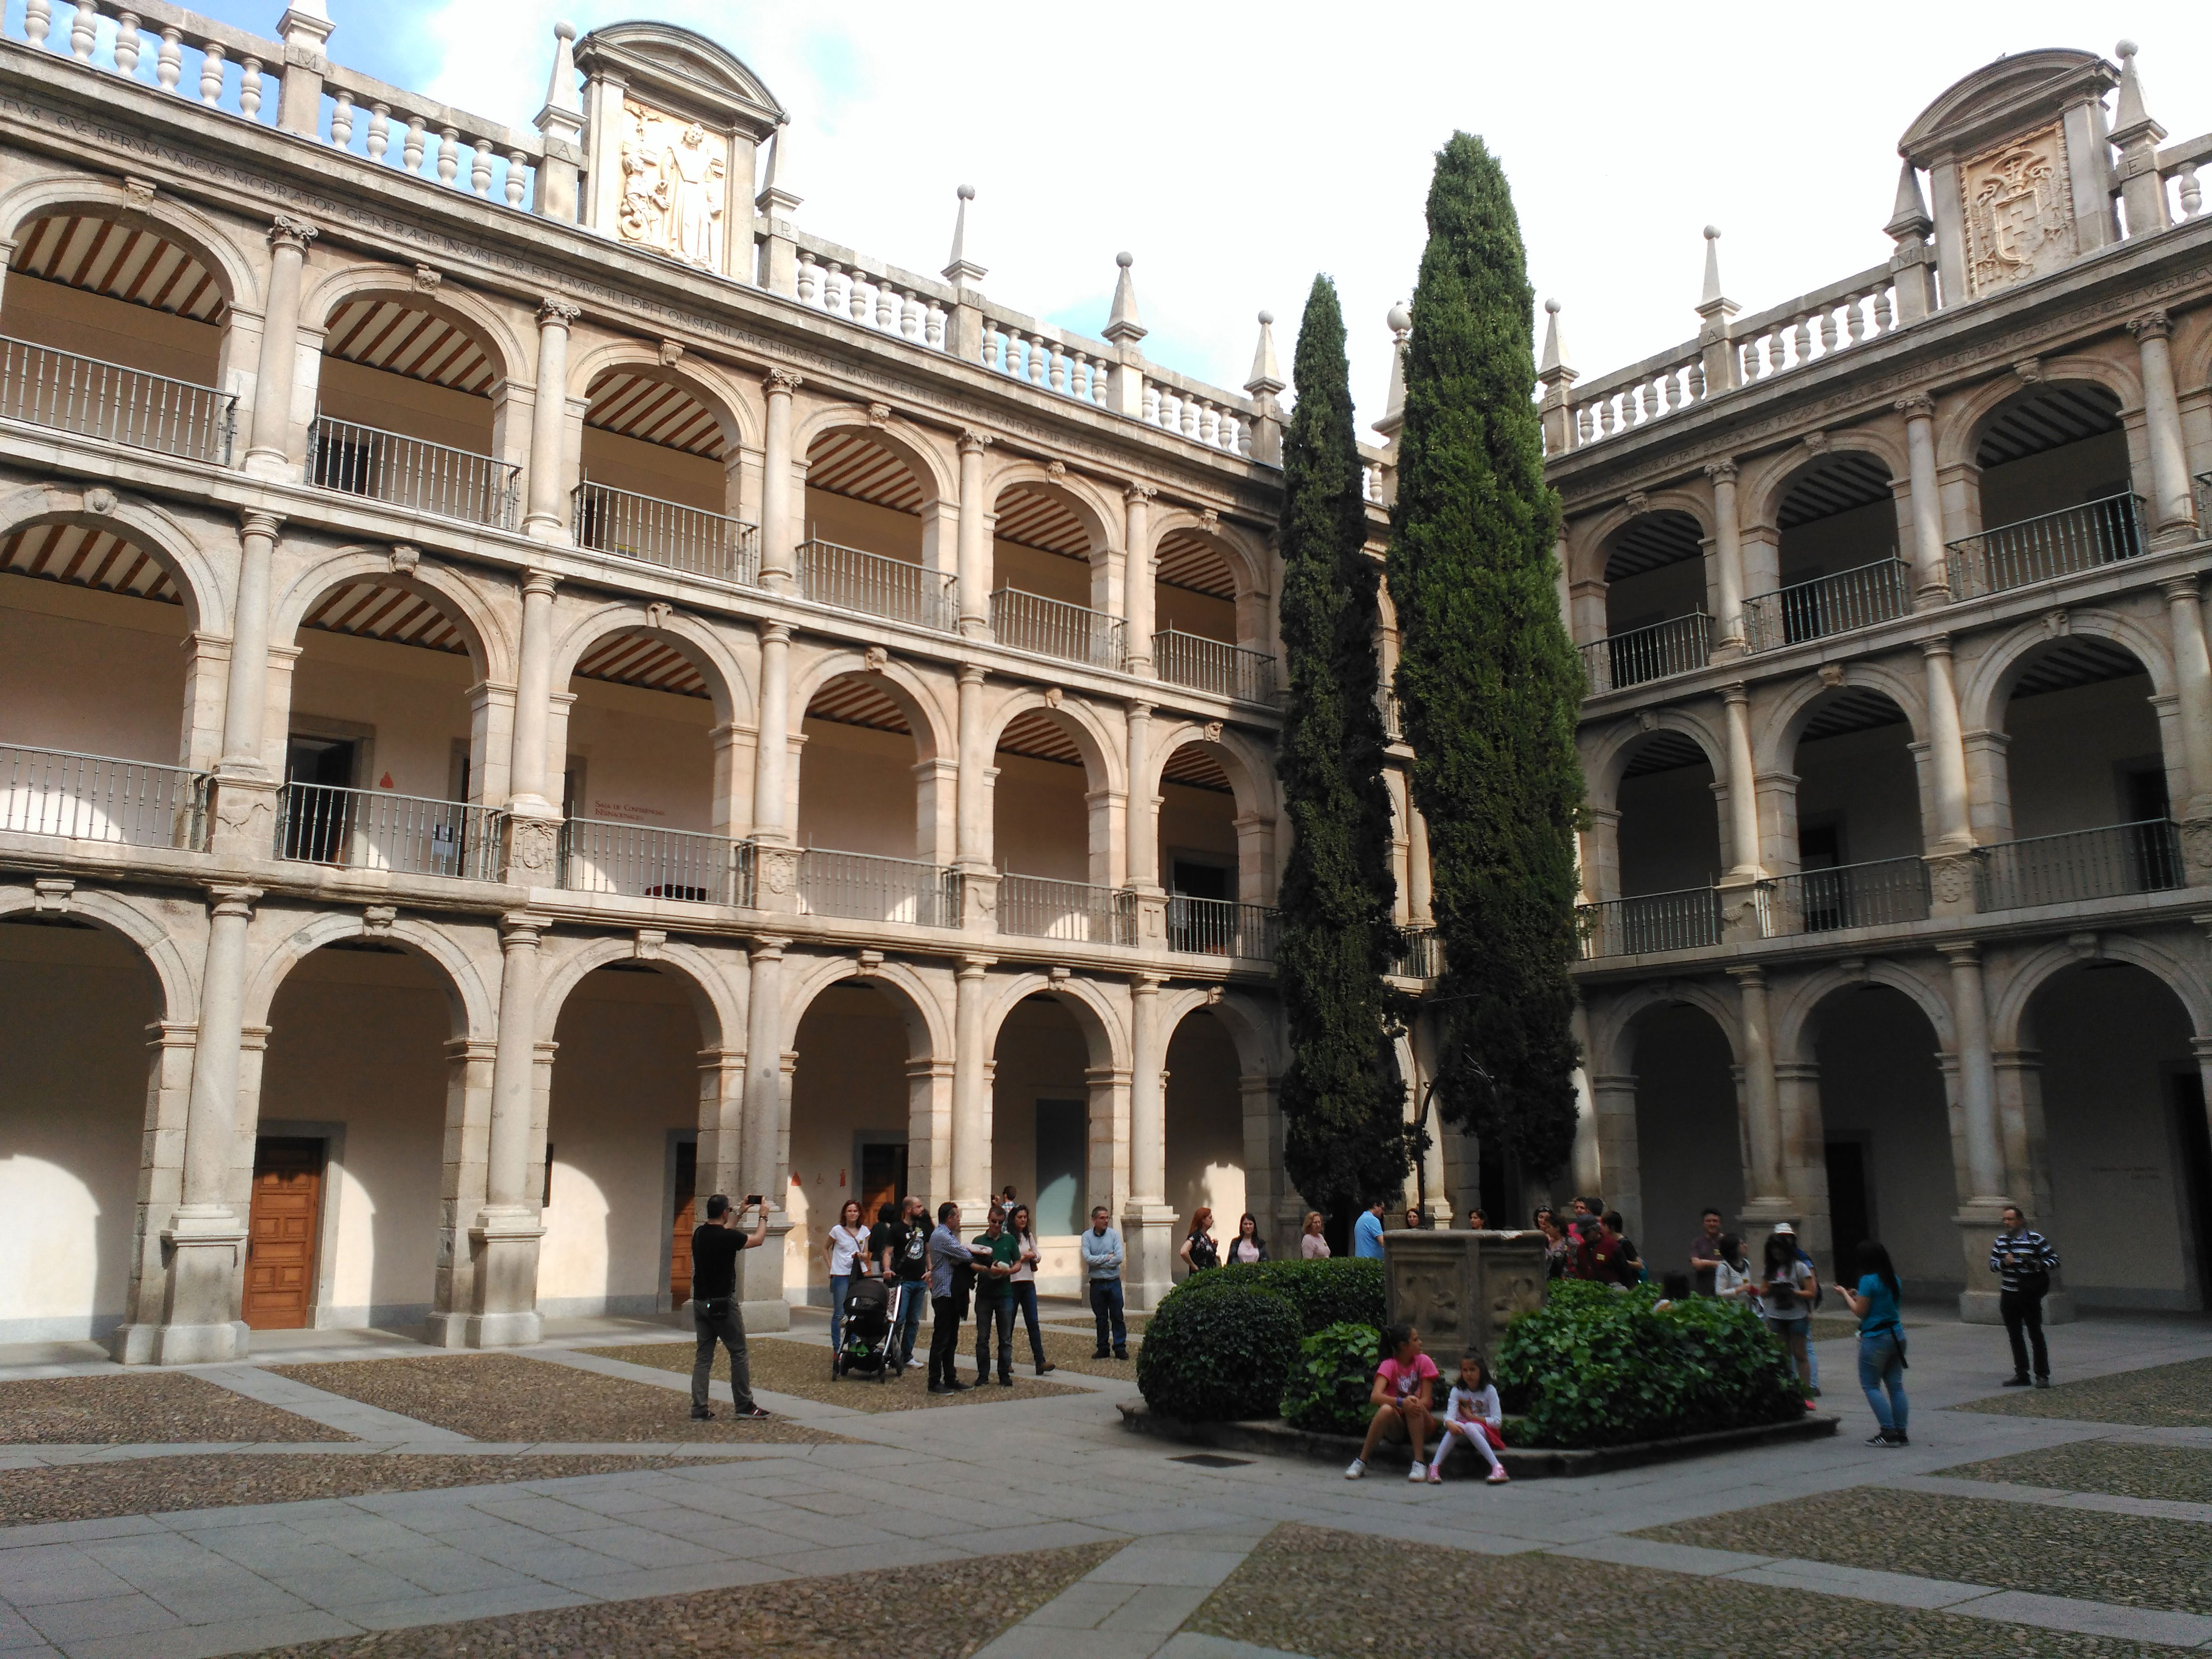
(1199, 1251)
(1559, 1249)
(1312, 1247)
(1786, 1290)
(846, 1253)
(1247, 1245)
(1023, 1279)
(1882, 1342)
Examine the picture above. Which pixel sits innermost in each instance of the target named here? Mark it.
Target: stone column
(971, 791)
(1768, 1198)
(1982, 1206)
(778, 543)
(268, 452)
(971, 1083)
(760, 1288)
(1951, 867)
(1727, 556)
(721, 1159)
(245, 789)
(1419, 892)
(776, 860)
(549, 417)
(973, 554)
(1804, 1158)
(503, 1312)
(1147, 1223)
(1932, 573)
(1740, 885)
(206, 1238)
(2172, 513)
(533, 828)
(2192, 674)
(1137, 578)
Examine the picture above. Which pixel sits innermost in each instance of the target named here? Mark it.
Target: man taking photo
(715, 1316)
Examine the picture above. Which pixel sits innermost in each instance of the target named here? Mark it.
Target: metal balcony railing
(685, 538)
(1686, 919)
(640, 861)
(853, 580)
(1036, 907)
(1203, 665)
(1883, 893)
(1221, 927)
(1421, 957)
(53, 792)
(869, 887)
(2110, 862)
(373, 829)
(94, 398)
(1053, 628)
(412, 473)
(2049, 545)
(1674, 646)
(1848, 600)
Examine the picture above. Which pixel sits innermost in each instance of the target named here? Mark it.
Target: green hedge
(1219, 1347)
(1597, 1367)
(1330, 1383)
(1344, 1290)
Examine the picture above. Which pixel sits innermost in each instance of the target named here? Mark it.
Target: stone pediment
(2015, 94)
(684, 73)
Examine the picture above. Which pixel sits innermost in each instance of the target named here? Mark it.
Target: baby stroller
(871, 1316)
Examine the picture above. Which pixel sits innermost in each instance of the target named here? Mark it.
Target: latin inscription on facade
(675, 186)
(2019, 210)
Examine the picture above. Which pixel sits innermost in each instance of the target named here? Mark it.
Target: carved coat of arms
(2019, 210)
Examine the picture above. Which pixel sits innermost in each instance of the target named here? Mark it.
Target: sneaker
(1437, 1473)
(1358, 1467)
(1811, 1407)
(2042, 1382)
(2018, 1382)
(1497, 1477)
(1880, 1437)
(1418, 1472)
(752, 1414)
(1899, 1440)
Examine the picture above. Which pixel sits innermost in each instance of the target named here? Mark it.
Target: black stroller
(872, 1308)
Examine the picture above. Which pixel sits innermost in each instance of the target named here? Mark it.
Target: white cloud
(1236, 149)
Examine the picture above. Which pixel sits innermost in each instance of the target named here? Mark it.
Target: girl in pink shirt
(1405, 1385)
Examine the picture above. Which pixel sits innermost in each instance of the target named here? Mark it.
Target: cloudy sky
(1236, 149)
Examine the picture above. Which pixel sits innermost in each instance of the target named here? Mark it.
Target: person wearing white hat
(1786, 1289)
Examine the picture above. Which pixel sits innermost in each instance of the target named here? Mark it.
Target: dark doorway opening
(882, 1176)
(1850, 1209)
(2194, 1133)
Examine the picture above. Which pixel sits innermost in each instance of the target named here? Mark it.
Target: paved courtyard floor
(353, 1493)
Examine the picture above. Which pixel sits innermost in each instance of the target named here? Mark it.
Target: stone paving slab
(2091, 1618)
(2106, 1503)
(352, 1418)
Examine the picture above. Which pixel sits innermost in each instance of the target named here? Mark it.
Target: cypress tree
(1346, 1137)
(1488, 681)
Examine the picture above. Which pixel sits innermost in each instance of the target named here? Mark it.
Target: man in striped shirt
(2023, 1260)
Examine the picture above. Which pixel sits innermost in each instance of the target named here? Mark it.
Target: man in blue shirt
(949, 1255)
(1367, 1232)
(1101, 1253)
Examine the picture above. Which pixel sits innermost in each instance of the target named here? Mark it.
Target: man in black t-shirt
(715, 1316)
(899, 1243)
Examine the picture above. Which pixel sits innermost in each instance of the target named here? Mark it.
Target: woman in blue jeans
(1882, 1342)
(1026, 1258)
(845, 1251)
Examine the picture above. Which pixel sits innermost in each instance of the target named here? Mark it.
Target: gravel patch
(803, 1369)
(2121, 1468)
(1335, 1595)
(2132, 1559)
(1072, 1353)
(942, 1612)
(161, 1486)
(141, 1408)
(505, 1397)
(2177, 1396)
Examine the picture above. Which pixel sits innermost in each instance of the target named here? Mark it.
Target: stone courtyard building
(534, 689)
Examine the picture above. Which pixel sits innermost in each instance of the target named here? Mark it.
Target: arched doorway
(657, 480)
(1665, 854)
(2055, 489)
(871, 535)
(867, 822)
(1041, 1139)
(1854, 816)
(1689, 1134)
(1835, 563)
(1206, 1151)
(1656, 618)
(1886, 1135)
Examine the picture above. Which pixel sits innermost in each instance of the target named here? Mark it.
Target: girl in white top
(1472, 1416)
(845, 1251)
(1732, 1281)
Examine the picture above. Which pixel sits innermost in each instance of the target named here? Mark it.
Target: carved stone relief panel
(675, 186)
(2019, 210)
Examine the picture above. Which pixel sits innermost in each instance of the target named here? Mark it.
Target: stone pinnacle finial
(306, 23)
(962, 272)
(563, 118)
(1267, 378)
(1712, 290)
(1908, 218)
(1400, 321)
(2131, 119)
(777, 200)
(1122, 327)
(1555, 348)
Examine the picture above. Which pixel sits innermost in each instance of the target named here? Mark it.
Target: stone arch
(705, 383)
(2009, 1023)
(1250, 773)
(1781, 724)
(513, 361)
(1589, 547)
(1079, 495)
(1960, 420)
(472, 1003)
(1254, 1033)
(1611, 1050)
(698, 643)
(916, 698)
(199, 584)
(919, 452)
(207, 241)
(1986, 689)
(1104, 1032)
(1797, 1012)
(1762, 494)
(1099, 747)
(477, 621)
(721, 1020)
(928, 1030)
(1608, 759)
(172, 976)
(1244, 555)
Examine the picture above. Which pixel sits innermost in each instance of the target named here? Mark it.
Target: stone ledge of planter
(1274, 1437)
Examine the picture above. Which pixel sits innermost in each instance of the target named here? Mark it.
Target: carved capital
(1735, 691)
(782, 382)
(255, 522)
(231, 901)
(285, 231)
(554, 311)
(539, 582)
(1968, 952)
(1135, 493)
(2178, 589)
(520, 930)
(973, 442)
(2152, 324)
(1720, 472)
(1916, 406)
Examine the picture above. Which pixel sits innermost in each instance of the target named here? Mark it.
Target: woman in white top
(1311, 1245)
(845, 1251)
(1732, 1279)
(1023, 1280)
(1246, 1245)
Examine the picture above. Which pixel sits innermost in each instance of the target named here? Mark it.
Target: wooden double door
(282, 1230)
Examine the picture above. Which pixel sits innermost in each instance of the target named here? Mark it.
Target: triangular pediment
(677, 69)
(2015, 94)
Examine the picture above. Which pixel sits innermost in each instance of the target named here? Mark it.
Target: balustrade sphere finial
(2126, 49)
(1267, 319)
(564, 31)
(966, 192)
(1551, 305)
(1712, 233)
(1125, 260)
(1399, 320)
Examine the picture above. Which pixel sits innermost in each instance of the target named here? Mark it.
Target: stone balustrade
(396, 129)
(839, 282)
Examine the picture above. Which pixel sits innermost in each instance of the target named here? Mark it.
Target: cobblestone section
(944, 1611)
(163, 1485)
(2130, 1559)
(504, 1397)
(2123, 1468)
(1335, 1595)
(802, 1369)
(2160, 1397)
(142, 1409)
